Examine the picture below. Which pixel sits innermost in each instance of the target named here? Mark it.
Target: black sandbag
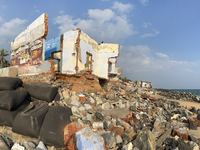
(57, 97)
(42, 91)
(10, 100)
(9, 83)
(52, 130)
(29, 121)
(33, 99)
(7, 117)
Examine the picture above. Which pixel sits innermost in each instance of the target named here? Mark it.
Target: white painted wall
(33, 32)
(69, 52)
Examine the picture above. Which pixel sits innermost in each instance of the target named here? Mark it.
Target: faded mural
(29, 55)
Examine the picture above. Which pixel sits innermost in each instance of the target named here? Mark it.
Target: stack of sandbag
(29, 121)
(13, 99)
(41, 91)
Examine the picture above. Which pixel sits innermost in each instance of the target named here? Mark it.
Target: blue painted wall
(51, 46)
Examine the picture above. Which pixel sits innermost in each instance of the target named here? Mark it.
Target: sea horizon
(194, 91)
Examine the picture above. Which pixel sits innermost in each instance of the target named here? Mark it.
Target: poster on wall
(30, 55)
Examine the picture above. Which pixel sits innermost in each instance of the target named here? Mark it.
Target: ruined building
(71, 52)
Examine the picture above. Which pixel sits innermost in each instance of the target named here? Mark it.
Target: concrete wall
(44, 67)
(76, 41)
(88, 45)
(69, 52)
(8, 72)
(36, 30)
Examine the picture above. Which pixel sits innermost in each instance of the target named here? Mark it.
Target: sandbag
(29, 121)
(7, 117)
(10, 100)
(9, 83)
(33, 99)
(42, 91)
(57, 97)
(52, 130)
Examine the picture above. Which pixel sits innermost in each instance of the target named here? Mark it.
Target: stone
(128, 146)
(99, 101)
(87, 106)
(110, 139)
(192, 126)
(91, 99)
(88, 117)
(76, 103)
(86, 139)
(163, 137)
(182, 145)
(99, 116)
(129, 135)
(118, 139)
(29, 144)
(145, 140)
(106, 106)
(41, 146)
(198, 116)
(193, 145)
(97, 125)
(76, 112)
(3, 145)
(66, 94)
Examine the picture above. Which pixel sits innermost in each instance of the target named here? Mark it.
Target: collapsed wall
(27, 50)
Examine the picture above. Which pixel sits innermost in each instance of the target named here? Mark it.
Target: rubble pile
(178, 95)
(128, 119)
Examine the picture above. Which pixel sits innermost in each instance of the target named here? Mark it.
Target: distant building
(144, 84)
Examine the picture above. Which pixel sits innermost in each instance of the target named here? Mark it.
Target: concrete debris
(86, 139)
(128, 119)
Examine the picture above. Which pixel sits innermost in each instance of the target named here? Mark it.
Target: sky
(159, 39)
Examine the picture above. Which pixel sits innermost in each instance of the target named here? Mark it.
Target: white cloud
(144, 2)
(12, 28)
(61, 12)
(156, 32)
(146, 24)
(122, 7)
(102, 25)
(101, 15)
(9, 30)
(162, 55)
(138, 63)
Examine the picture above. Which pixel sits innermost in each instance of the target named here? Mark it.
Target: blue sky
(159, 39)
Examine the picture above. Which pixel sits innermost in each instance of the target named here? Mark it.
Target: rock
(3, 145)
(193, 145)
(145, 140)
(128, 135)
(86, 139)
(76, 103)
(106, 106)
(118, 139)
(91, 99)
(182, 145)
(99, 116)
(29, 144)
(76, 112)
(198, 116)
(129, 146)
(192, 126)
(110, 139)
(98, 125)
(66, 94)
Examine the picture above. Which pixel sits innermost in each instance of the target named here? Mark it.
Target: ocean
(194, 91)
